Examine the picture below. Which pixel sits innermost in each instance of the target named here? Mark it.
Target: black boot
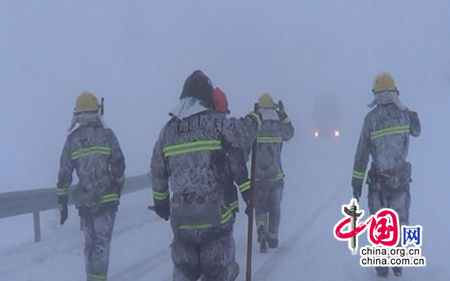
(382, 271)
(397, 271)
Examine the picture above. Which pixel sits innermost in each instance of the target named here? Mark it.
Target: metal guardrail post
(37, 226)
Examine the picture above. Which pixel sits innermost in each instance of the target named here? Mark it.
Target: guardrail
(36, 200)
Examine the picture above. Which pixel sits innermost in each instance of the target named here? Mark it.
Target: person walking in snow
(94, 152)
(276, 128)
(187, 162)
(385, 137)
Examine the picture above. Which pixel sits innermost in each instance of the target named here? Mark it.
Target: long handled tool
(248, 273)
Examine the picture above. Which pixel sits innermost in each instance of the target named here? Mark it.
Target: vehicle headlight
(316, 134)
(337, 133)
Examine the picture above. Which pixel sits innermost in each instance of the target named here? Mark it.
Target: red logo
(384, 227)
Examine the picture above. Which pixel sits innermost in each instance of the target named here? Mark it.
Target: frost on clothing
(276, 128)
(384, 136)
(189, 158)
(95, 154)
(269, 145)
(97, 233)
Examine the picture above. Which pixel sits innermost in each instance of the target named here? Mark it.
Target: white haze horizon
(137, 56)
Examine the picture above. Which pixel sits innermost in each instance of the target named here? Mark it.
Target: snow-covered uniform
(94, 152)
(188, 157)
(276, 128)
(385, 136)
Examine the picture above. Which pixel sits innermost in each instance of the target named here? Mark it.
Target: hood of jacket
(386, 98)
(187, 107)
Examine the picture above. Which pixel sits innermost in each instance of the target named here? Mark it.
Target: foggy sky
(137, 54)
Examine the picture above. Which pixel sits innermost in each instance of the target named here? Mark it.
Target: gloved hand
(280, 106)
(63, 213)
(162, 208)
(357, 191)
(280, 111)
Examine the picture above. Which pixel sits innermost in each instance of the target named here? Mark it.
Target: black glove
(357, 191)
(281, 113)
(63, 213)
(162, 208)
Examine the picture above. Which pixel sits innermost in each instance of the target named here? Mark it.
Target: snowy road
(314, 193)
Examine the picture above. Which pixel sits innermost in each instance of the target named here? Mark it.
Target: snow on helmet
(86, 101)
(265, 100)
(220, 100)
(384, 82)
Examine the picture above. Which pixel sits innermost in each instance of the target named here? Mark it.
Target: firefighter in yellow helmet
(385, 137)
(276, 128)
(94, 152)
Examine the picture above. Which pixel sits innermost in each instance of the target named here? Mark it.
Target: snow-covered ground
(316, 187)
(138, 55)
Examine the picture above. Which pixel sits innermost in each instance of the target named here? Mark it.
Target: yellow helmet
(265, 100)
(86, 102)
(384, 82)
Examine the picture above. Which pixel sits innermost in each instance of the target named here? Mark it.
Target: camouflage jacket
(94, 152)
(274, 131)
(189, 156)
(384, 136)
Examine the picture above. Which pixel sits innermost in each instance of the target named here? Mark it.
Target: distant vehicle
(326, 118)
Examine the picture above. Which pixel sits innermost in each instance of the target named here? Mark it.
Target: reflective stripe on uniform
(244, 186)
(160, 195)
(286, 120)
(96, 277)
(258, 119)
(199, 145)
(389, 131)
(268, 139)
(60, 191)
(120, 179)
(358, 175)
(279, 176)
(110, 197)
(226, 216)
(272, 235)
(260, 223)
(234, 205)
(90, 150)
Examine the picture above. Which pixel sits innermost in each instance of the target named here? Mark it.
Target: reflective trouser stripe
(279, 176)
(90, 150)
(96, 277)
(272, 235)
(110, 197)
(390, 131)
(258, 119)
(199, 145)
(358, 175)
(244, 186)
(260, 223)
(160, 195)
(268, 139)
(60, 191)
